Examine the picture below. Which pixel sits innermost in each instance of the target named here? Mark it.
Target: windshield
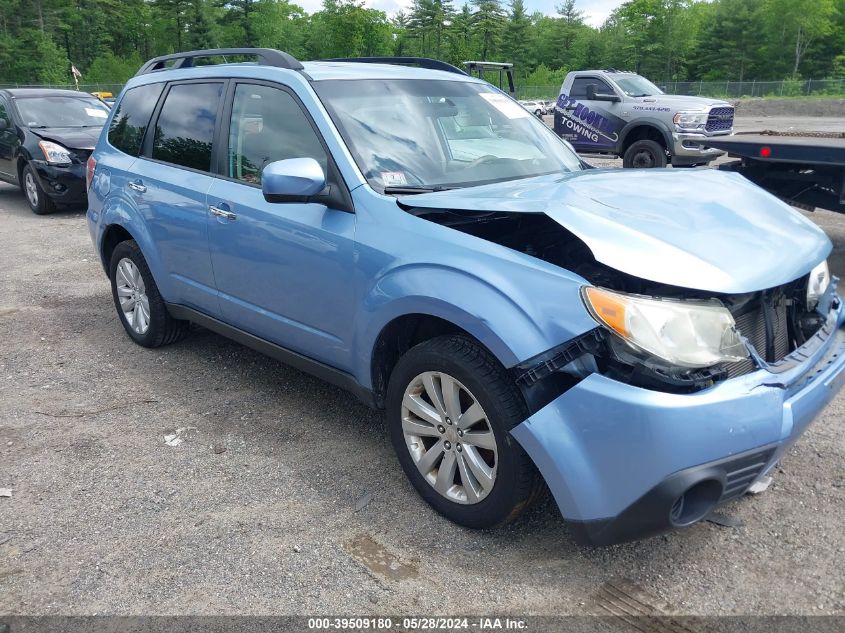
(636, 86)
(429, 134)
(62, 111)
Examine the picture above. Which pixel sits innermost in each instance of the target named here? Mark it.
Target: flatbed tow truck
(806, 170)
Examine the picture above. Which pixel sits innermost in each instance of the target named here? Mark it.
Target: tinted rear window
(185, 127)
(132, 118)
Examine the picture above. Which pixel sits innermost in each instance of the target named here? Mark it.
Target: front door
(9, 143)
(590, 125)
(283, 270)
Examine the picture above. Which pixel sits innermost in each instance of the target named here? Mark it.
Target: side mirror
(3, 124)
(292, 180)
(592, 95)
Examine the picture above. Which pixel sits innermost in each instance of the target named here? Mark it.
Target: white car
(537, 108)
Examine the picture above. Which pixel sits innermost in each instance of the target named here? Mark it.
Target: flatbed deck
(807, 170)
(784, 149)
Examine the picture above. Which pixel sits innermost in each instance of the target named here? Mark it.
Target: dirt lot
(281, 495)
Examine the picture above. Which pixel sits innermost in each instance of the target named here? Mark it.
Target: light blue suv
(644, 343)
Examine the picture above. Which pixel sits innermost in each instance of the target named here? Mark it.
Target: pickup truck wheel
(39, 202)
(644, 154)
(139, 305)
(450, 407)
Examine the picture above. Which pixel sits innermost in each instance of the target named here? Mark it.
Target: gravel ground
(283, 495)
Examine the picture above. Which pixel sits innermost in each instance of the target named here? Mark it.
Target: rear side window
(127, 128)
(185, 128)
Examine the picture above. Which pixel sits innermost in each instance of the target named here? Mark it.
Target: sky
(595, 11)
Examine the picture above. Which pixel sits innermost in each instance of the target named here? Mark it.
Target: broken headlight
(817, 285)
(682, 333)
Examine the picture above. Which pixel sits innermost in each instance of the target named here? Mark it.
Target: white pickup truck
(624, 114)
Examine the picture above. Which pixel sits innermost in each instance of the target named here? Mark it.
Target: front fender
(506, 321)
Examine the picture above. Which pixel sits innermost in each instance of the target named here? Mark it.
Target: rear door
(283, 270)
(169, 184)
(590, 125)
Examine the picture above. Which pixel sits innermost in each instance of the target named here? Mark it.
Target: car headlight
(54, 153)
(682, 333)
(690, 120)
(816, 287)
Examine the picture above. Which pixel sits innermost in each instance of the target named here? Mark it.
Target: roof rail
(266, 57)
(422, 62)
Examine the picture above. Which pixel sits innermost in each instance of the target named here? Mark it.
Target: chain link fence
(723, 89)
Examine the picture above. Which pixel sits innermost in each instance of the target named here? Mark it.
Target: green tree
(488, 22)
(516, 39)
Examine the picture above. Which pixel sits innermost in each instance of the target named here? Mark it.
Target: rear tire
(39, 202)
(644, 154)
(139, 305)
(508, 482)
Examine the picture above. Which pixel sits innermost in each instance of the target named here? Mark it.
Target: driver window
(268, 125)
(579, 87)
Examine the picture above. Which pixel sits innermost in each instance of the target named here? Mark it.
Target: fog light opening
(695, 503)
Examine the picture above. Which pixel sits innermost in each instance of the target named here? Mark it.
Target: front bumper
(65, 185)
(690, 148)
(618, 458)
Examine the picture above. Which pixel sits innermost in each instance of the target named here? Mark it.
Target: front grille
(752, 325)
(720, 119)
(82, 154)
(742, 472)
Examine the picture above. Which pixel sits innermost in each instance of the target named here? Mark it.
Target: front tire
(644, 154)
(450, 407)
(39, 202)
(140, 307)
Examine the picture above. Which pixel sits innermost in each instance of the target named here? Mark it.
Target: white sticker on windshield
(96, 113)
(393, 178)
(508, 107)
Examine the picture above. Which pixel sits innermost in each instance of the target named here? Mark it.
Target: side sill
(288, 357)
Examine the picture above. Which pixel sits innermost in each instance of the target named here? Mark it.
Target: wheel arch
(113, 235)
(642, 129)
(119, 221)
(400, 335)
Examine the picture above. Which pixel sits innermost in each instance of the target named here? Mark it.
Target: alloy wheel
(31, 189)
(449, 437)
(132, 294)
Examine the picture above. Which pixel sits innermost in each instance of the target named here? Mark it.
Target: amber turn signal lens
(609, 308)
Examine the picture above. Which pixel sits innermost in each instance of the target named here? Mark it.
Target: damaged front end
(766, 325)
(631, 446)
(637, 431)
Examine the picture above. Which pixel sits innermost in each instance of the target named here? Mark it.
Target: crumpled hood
(70, 137)
(700, 229)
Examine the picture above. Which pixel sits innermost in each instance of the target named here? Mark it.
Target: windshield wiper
(412, 189)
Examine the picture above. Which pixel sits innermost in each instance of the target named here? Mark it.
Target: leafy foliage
(666, 40)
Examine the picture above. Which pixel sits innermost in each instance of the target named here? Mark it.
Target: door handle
(137, 186)
(222, 213)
